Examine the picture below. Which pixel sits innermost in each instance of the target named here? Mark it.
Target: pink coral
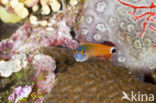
(20, 93)
(29, 39)
(44, 75)
(6, 50)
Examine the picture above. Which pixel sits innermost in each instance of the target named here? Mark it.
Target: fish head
(111, 46)
(111, 52)
(80, 54)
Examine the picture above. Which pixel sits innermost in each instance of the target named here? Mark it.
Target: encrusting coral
(20, 9)
(27, 41)
(15, 64)
(129, 24)
(38, 76)
(21, 78)
(20, 93)
(92, 81)
(44, 77)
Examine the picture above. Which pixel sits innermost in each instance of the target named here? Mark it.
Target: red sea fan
(147, 15)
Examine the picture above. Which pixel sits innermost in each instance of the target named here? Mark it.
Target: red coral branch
(147, 13)
(138, 7)
(132, 6)
(148, 18)
(154, 29)
(143, 31)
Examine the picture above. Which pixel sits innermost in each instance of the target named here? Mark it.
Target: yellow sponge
(7, 17)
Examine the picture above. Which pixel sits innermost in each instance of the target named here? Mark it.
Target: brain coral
(92, 81)
(130, 24)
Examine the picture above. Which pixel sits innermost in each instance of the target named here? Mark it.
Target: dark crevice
(61, 46)
(148, 78)
(73, 34)
(61, 8)
(60, 68)
(57, 68)
(7, 87)
(62, 56)
(7, 29)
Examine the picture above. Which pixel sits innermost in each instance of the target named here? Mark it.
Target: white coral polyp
(89, 19)
(97, 37)
(101, 27)
(101, 6)
(16, 63)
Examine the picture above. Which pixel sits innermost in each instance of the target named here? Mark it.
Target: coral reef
(20, 9)
(20, 93)
(6, 50)
(21, 78)
(27, 41)
(44, 76)
(15, 64)
(92, 81)
(38, 75)
(8, 17)
(31, 63)
(127, 23)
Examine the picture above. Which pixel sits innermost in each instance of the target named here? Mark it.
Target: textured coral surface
(93, 81)
(127, 26)
(27, 40)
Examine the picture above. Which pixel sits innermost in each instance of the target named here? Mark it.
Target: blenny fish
(86, 50)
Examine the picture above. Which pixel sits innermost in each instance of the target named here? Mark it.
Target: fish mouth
(80, 58)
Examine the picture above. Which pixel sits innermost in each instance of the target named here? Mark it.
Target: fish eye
(113, 50)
